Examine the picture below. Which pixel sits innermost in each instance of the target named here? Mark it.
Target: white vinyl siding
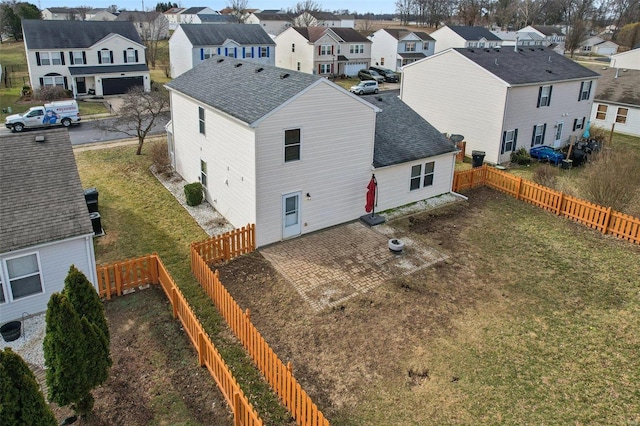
(54, 261)
(304, 54)
(335, 167)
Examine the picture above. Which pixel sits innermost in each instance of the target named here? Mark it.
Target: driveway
(333, 265)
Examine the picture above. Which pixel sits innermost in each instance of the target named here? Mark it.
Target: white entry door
(291, 215)
(558, 136)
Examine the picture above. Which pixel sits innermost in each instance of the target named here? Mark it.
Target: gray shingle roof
(41, 198)
(240, 91)
(622, 90)
(412, 55)
(210, 17)
(192, 10)
(73, 34)
(527, 65)
(402, 135)
(138, 16)
(474, 33)
(350, 35)
(106, 69)
(548, 30)
(216, 35)
(273, 16)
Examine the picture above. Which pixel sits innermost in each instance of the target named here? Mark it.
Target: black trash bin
(91, 198)
(478, 158)
(96, 223)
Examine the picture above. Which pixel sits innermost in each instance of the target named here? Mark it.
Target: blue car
(544, 152)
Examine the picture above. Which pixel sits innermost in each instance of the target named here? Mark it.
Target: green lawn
(139, 217)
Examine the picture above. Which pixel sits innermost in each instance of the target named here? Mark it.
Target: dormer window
(130, 56)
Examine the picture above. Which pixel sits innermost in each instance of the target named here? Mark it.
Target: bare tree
(155, 27)
(139, 112)
(470, 11)
(365, 26)
(629, 35)
(82, 12)
(238, 9)
(301, 13)
(575, 36)
(405, 8)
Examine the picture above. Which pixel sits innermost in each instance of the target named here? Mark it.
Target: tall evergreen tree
(84, 299)
(21, 401)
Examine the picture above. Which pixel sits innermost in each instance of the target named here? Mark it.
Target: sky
(374, 6)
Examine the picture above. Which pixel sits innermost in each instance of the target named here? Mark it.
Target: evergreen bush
(521, 156)
(194, 193)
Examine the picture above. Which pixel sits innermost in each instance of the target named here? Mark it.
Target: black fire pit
(11, 331)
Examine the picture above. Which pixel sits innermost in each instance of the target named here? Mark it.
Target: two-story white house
(323, 19)
(173, 16)
(151, 25)
(87, 57)
(456, 36)
(189, 15)
(394, 48)
(270, 151)
(323, 51)
(502, 99)
(272, 22)
(553, 36)
(192, 44)
(46, 225)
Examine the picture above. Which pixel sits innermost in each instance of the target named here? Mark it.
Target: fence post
(174, 301)
(518, 188)
(154, 267)
(118, 278)
(200, 349)
(607, 219)
(237, 421)
(559, 209)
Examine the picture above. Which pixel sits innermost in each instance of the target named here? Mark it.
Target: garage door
(119, 86)
(352, 69)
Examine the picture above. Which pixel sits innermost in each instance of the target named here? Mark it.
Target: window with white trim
(45, 58)
(2, 297)
(248, 53)
(578, 123)
(53, 81)
(425, 45)
(356, 48)
(544, 96)
(621, 115)
(325, 50)
(203, 173)
(586, 90)
(421, 176)
(105, 56)
(131, 55)
(56, 58)
(291, 145)
(264, 51)
(410, 46)
(601, 113)
(509, 143)
(201, 120)
(538, 135)
(24, 276)
(325, 68)
(78, 58)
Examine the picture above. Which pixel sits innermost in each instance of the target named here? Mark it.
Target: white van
(59, 113)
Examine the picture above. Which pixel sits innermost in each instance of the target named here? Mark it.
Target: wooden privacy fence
(117, 278)
(278, 375)
(227, 246)
(604, 219)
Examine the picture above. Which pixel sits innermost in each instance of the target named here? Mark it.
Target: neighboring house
(101, 15)
(214, 19)
(87, 57)
(192, 44)
(554, 37)
(273, 23)
(61, 14)
(510, 38)
(629, 59)
(150, 25)
(464, 36)
(617, 101)
(269, 151)
(173, 16)
(597, 45)
(323, 19)
(44, 221)
(323, 51)
(502, 99)
(188, 16)
(394, 48)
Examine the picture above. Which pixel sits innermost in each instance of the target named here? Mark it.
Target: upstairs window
(544, 96)
(45, 58)
(56, 58)
(425, 45)
(410, 46)
(356, 48)
(326, 49)
(291, 145)
(130, 56)
(105, 56)
(293, 47)
(585, 90)
(201, 120)
(78, 58)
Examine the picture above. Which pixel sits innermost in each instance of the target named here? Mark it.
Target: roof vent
(284, 75)
(238, 65)
(496, 62)
(531, 49)
(39, 138)
(471, 50)
(220, 60)
(519, 50)
(549, 58)
(379, 99)
(487, 50)
(259, 69)
(549, 71)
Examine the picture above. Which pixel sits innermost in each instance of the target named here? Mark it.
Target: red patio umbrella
(371, 195)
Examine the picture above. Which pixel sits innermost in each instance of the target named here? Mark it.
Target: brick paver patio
(331, 266)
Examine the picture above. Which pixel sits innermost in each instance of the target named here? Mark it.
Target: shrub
(546, 175)
(160, 158)
(194, 193)
(52, 93)
(521, 157)
(611, 179)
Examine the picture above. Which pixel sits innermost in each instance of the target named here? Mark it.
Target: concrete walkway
(334, 265)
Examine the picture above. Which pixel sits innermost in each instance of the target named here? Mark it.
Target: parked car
(390, 76)
(365, 86)
(60, 113)
(370, 75)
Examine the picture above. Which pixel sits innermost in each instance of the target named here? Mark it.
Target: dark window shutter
(136, 51)
(533, 136)
(235, 52)
(201, 54)
(267, 51)
(84, 57)
(71, 58)
(319, 69)
(38, 58)
(319, 50)
(539, 96)
(580, 93)
(332, 49)
(504, 138)
(62, 58)
(66, 85)
(244, 52)
(583, 120)
(589, 92)
(226, 51)
(515, 140)
(544, 132)
(575, 123)
(332, 71)
(41, 82)
(252, 55)
(99, 57)
(111, 55)
(125, 56)
(219, 51)
(259, 52)
(549, 98)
